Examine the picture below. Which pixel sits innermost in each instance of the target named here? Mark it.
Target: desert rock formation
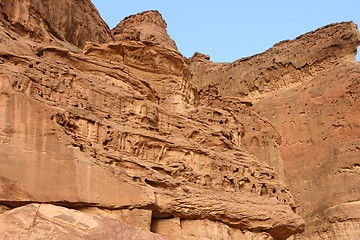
(308, 88)
(44, 221)
(147, 26)
(119, 125)
(45, 21)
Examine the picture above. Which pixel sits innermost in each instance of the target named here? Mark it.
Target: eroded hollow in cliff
(358, 54)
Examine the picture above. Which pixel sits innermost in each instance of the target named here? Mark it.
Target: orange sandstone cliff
(308, 89)
(113, 134)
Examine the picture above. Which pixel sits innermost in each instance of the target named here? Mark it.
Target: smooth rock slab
(45, 221)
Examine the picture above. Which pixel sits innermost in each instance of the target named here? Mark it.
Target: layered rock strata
(76, 22)
(120, 125)
(118, 129)
(308, 88)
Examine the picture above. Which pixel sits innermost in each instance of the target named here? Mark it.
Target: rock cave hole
(358, 54)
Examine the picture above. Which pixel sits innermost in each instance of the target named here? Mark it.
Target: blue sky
(230, 29)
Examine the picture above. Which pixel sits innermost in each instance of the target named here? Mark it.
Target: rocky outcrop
(129, 129)
(320, 144)
(148, 26)
(73, 21)
(119, 130)
(203, 229)
(44, 221)
(308, 89)
(112, 133)
(285, 64)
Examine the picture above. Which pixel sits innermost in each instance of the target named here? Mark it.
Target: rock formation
(147, 26)
(308, 88)
(120, 126)
(46, 21)
(44, 221)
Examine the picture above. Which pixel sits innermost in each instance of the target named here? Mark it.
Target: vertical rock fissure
(358, 54)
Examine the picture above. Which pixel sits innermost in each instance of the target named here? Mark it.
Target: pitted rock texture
(131, 130)
(109, 132)
(119, 130)
(320, 131)
(308, 89)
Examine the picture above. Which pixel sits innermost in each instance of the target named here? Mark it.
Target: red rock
(148, 26)
(45, 221)
(130, 129)
(74, 21)
(307, 89)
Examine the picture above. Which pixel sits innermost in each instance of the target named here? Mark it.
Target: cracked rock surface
(45, 221)
(116, 128)
(308, 89)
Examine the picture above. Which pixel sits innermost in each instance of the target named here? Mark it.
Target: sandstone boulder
(45, 221)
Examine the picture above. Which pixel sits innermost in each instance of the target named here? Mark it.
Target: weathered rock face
(74, 21)
(131, 130)
(44, 221)
(202, 229)
(320, 131)
(285, 64)
(148, 26)
(140, 156)
(308, 89)
(119, 130)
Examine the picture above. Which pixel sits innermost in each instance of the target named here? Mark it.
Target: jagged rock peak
(150, 16)
(148, 26)
(199, 56)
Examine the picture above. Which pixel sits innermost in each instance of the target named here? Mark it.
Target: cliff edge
(308, 89)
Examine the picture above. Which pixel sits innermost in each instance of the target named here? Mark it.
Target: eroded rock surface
(119, 130)
(45, 221)
(73, 21)
(308, 89)
(130, 129)
(148, 26)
